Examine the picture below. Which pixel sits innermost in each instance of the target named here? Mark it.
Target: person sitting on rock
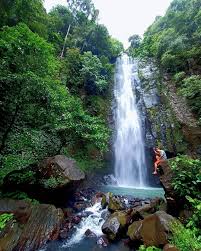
(160, 155)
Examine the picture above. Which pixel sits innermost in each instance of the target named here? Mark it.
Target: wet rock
(104, 201)
(33, 227)
(63, 233)
(76, 219)
(174, 202)
(62, 169)
(90, 234)
(105, 214)
(97, 198)
(113, 202)
(79, 206)
(111, 228)
(103, 241)
(115, 225)
(169, 247)
(154, 230)
(68, 212)
(166, 177)
(134, 230)
(148, 208)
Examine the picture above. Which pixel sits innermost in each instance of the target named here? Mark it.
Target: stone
(145, 209)
(103, 241)
(63, 169)
(33, 226)
(79, 206)
(90, 234)
(134, 230)
(113, 202)
(111, 228)
(97, 197)
(169, 247)
(76, 219)
(67, 212)
(154, 230)
(116, 224)
(63, 233)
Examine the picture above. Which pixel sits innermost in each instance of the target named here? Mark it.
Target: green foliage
(4, 218)
(94, 82)
(53, 182)
(143, 248)
(194, 222)
(18, 195)
(31, 12)
(71, 70)
(173, 41)
(48, 104)
(187, 176)
(191, 90)
(179, 77)
(184, 239)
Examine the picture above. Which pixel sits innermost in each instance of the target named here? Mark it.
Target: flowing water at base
(79, 242)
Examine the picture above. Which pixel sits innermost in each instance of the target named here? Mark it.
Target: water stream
(130, 167)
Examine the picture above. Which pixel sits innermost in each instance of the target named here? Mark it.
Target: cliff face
(166, 119)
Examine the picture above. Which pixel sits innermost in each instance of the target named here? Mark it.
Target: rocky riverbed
(90, 217)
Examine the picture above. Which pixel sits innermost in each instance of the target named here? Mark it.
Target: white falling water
(130, 169)
(93, 222)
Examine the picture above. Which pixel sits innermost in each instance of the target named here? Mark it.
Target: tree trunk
(62, 53)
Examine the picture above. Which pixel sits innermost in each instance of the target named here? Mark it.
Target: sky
(123, 18)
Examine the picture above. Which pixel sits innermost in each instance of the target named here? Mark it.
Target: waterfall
(130, 167)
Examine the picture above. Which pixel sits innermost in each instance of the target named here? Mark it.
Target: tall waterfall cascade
(130, 167)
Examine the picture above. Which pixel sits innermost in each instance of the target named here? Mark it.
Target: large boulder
(113, 202)
(32, 227)
(112, 227)
(174, 202)
(148, 208)
(60, 169)
(117, 223)
(52, 173)
(154, 230)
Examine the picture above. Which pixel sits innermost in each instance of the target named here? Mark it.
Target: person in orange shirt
(160, 155)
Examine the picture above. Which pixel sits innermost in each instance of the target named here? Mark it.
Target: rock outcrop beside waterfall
(166, 118)
(161, 125)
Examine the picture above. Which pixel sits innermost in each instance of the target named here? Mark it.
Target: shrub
(178, 77)
(4, 218)
(191, 90)
(195, 221)
(187, 176)
(152, 248)
(184, 239)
